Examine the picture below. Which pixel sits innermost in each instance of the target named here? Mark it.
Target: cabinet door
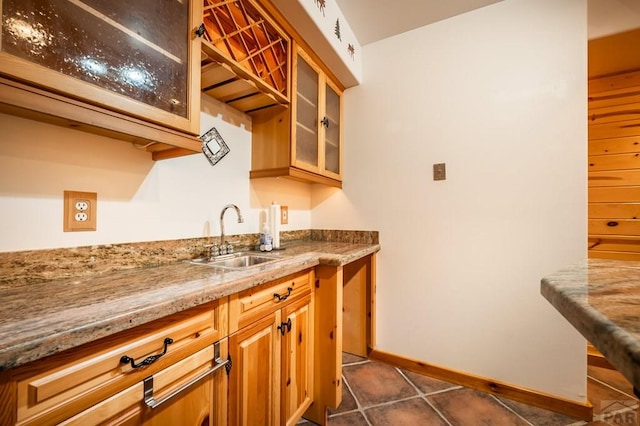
(297, 359)
(317, 118)
(137, 57)
(332, 123)
(305, 137)
(254, 380)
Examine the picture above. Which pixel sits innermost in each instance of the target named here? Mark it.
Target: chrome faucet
(227, 248)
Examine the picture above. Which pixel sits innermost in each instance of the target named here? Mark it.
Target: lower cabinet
(254, 380)
(169, 362)
(191, 392)
(297, 359)
(248, 359)
(271, 382)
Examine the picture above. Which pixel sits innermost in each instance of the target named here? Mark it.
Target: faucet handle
(214, 250)
(230, 246)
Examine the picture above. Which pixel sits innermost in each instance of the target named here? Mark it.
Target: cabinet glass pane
(135, 48)
(332, 132)
(306, 114)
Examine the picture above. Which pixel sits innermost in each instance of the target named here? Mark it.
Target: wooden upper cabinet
(140, 59)
(317, 116)
(305, 141)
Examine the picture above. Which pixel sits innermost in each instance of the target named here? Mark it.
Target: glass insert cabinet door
(331, 122)
(317, 133)
(137, 57)
(307, 111)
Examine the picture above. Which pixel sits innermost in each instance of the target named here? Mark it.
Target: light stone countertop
(601, 299)
(41, 319)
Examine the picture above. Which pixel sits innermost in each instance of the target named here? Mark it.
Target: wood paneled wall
(614, 53)
(614, 166)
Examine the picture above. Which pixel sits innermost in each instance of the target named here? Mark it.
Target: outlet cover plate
(80, 211)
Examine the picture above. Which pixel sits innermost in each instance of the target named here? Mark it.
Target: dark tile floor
(378, 394)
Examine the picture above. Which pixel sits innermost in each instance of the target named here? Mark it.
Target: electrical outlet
(284, 215)
(80, 209)
(82, 205)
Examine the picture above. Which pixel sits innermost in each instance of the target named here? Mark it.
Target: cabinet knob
(325, 122)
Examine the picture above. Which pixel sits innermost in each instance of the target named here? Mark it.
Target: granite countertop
(601, 299)
(41, 319)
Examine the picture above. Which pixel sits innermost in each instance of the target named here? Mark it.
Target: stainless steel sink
(240, 260)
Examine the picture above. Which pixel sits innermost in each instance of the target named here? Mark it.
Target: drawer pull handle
(152, 403)
(280, 298)
(149, 360)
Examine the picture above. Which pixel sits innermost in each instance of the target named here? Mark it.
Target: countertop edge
(618, 346)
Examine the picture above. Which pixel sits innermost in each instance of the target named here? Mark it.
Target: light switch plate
(80, 210)
(284, 215)
(439, 171)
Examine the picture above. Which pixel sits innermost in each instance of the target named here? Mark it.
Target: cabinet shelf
(300, 126)
(332, 144)
(306, 100)
(244, 56)
(333, 120)
(226, 80)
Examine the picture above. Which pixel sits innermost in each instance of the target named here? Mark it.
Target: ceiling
(373, 20)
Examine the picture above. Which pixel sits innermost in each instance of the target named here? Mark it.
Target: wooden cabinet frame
(37, 92)
(273, 146)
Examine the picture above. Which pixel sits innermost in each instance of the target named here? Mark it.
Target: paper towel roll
(274, 223)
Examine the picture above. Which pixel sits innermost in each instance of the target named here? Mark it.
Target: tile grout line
(611, 387)
(510, 409)
(424, 396)
(359, 407)
(366, 361)
(453, 387)
(353, 395)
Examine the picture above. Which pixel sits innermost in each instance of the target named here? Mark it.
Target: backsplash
(26, 267)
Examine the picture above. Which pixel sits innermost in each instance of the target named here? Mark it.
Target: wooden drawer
(54, 388)
(255, 303)
(185, 393)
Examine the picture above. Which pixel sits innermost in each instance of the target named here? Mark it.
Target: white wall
(138, 199)
(317, 26)
(499, 95)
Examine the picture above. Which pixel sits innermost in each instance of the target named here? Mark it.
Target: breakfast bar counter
(601, 299)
